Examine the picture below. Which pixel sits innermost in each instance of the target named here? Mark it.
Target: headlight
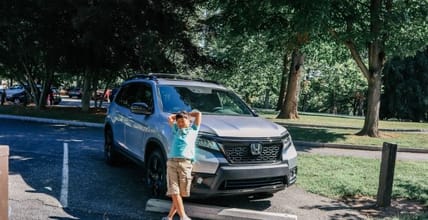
(286, 141)
(289, 151)
(206, 143)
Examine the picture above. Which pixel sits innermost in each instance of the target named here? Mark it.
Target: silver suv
(237, 151)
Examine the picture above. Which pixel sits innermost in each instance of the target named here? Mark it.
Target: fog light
(199, 180)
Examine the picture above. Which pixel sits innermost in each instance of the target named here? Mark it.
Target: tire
(156, 173)
(111, 156)
(17, 101)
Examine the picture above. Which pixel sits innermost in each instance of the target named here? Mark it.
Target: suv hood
(240, 126)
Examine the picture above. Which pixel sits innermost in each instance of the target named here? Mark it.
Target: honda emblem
(256, 149)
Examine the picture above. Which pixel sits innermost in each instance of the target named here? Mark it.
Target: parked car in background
(17, 94)
(56, 96)
(75, 92)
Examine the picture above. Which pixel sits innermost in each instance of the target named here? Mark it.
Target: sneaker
(166, 218)
(186, 218)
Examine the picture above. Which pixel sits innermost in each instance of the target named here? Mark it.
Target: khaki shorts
(179, 176)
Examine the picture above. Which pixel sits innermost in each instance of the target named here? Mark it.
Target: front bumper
(243, 179)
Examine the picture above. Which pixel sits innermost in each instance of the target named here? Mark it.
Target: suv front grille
(269, 153)
(252, 183)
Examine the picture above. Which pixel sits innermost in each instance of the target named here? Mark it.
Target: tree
(332, 80)
(370, 29)
(31, 44)
(250, 68)
(237, 20)
(405, 92)
(94, 40)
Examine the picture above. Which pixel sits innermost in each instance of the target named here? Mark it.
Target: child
(179, 165)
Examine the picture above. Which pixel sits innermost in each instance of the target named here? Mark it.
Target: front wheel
(17, 101)
(156, 173)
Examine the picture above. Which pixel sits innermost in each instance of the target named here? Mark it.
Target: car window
(135, 92)
(206, 100)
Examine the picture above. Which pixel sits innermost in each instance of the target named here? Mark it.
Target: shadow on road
(96, 190)
(315, 134)
(259, 202)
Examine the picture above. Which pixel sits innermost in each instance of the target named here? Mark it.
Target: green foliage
(44, 42)
(97, 36)
(252, 71)
(405, 94)
(249, 39)
(331, 81)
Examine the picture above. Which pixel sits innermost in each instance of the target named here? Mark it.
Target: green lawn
(339, 177)
(346, 136)
(345, 121)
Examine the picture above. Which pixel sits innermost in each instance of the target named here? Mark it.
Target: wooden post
(4, 186)
(386, 177)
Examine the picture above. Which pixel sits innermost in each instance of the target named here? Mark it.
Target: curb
(346, 127)
(52, 121)
(217, 212)
(357, 147)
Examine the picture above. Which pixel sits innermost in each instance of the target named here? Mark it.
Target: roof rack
(155, 76)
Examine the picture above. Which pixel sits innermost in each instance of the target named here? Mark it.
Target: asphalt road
(98, 191)
(95, 190)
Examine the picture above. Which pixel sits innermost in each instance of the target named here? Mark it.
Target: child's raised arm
(198, 117)
(171, 119)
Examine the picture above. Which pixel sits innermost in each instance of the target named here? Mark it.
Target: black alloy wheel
(156, 173)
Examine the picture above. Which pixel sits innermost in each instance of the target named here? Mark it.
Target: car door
(120, 113)
(138, 129)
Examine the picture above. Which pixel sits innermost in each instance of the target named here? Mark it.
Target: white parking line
(64, 186)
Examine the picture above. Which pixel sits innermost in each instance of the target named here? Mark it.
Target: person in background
(3, 96)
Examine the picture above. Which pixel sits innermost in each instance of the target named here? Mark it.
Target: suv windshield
(204, 99)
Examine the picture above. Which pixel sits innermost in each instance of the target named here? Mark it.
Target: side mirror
(140, 108)
(254, 112)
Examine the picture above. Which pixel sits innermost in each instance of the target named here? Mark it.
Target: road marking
(217, 212)
(64, 186)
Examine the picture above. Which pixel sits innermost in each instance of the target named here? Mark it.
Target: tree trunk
(43, 95)
(289, 107)
(285, 74)
(266, 101)
(86, 96)
(371, 121)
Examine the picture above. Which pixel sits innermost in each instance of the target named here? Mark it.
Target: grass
(340, 177)
(346, 136)
(420, 216)
(345, 121)
(64, 113)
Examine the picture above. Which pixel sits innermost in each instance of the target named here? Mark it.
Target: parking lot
(95, 190)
